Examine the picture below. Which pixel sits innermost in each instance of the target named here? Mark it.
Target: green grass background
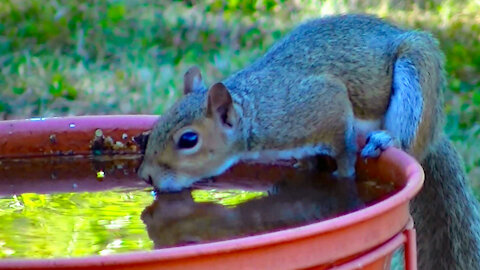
(77, 57)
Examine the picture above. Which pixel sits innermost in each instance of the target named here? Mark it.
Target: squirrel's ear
(192, 80)
(220, 105)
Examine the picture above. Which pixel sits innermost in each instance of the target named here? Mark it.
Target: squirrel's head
(194, 139)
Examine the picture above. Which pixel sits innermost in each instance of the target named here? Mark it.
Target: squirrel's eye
(188, 140)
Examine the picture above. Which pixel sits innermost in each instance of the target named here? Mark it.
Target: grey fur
(329, 70)
(412, 66)
(311, 99)
(446, 213)
(405, 110)
(343, 47)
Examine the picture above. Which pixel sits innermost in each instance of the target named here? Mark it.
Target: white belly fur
(268, 156)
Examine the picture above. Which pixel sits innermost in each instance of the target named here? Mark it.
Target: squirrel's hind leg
(337, 122)
(325, 102)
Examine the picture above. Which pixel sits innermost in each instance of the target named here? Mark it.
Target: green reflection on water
(88, 223)
(229, 198)
(73, 224)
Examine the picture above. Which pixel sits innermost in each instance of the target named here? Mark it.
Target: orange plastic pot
(363, 239)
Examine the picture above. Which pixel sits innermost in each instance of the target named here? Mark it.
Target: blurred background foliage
(77, 57)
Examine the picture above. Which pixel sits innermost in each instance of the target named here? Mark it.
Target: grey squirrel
(328, 82)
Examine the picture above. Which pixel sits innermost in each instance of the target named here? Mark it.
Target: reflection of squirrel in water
(175, 219)
(309, 94)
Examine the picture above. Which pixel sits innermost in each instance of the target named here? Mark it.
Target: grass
(77, 57)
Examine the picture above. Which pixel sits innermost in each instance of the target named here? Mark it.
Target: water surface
(74, 206)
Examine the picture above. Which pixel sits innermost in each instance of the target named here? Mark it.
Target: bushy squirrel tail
(446, 213)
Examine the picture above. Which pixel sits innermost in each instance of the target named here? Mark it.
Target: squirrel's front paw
(377, 142)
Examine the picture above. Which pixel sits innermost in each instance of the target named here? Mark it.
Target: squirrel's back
(357, 49)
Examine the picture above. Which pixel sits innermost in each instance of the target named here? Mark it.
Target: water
(73, 206)
(73, 224)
